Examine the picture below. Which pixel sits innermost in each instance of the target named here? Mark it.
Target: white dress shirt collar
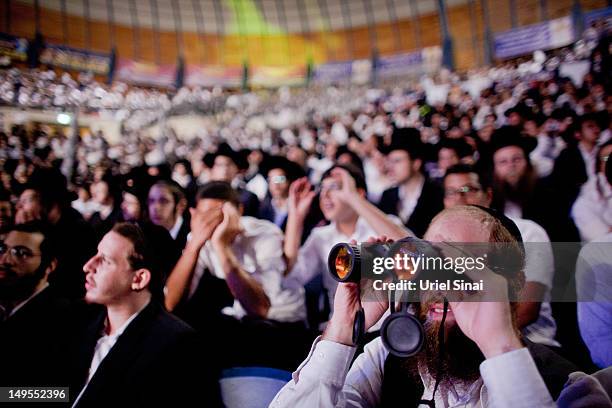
(104, 346)
(177, 227)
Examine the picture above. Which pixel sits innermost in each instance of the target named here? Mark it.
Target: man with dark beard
(33, 320)
(485, 362)
(517, 190)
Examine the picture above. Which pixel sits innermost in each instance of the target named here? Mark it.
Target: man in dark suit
(414, 199)
(33, 319)
(576, 163)
(135, 353)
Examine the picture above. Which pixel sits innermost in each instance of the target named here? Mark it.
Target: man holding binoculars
(467, 346)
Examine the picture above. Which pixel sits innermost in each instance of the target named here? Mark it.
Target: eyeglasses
(278, 180)
(465, 190)
(19, 252)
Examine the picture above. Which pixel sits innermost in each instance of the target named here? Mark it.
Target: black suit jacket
(76, 243)
(567, 178)
(157, 361)
(33, 342)
(430, 203)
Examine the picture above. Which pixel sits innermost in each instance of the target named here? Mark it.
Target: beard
(520, 192)
(458, 364)
(17, 288)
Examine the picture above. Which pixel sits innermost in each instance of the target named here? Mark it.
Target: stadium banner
(400, 64)
(333, 72)
(542, 36)
(269, 76)
(76, 59)
(603, 15)
(144, 73)
(16, 48)
(211, 75)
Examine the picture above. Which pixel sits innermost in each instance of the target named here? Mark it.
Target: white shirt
(409, 200)
(312, 257)
(544, 155)
(103, 347)
(594, 291)
(259, 249)
(513, 210)
(539, 267)
(176, 227)
(376, 181)
(589, 160)
(327, 379)
(592, 210)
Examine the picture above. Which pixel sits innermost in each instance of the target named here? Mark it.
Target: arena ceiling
(245, 17)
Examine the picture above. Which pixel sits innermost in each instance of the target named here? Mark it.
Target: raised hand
(203, 225)
(300, 197)
(229, 228)
(349, 188)
(484, 316)
(347, 302)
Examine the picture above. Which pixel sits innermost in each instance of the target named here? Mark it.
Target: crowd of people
(146, 267)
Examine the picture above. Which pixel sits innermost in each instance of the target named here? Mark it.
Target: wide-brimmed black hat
(293, 171)
(521, 109)
(407, 139)
(460, 146)
(225, 150)
(52, 187)
(511, 136)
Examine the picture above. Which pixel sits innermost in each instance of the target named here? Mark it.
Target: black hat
(52, 187)
(562, 113)
(539, 118)
(520, 108)
(407, 139)
(460, 146)
(292, 170)
(225, 150)
(511, 136)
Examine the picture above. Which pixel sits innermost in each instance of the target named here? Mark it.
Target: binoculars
(402, 333)
(346, 261)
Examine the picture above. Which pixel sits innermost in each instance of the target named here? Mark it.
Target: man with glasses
(33, 319)
(280, 173)
(342, 198)
(463, 186)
